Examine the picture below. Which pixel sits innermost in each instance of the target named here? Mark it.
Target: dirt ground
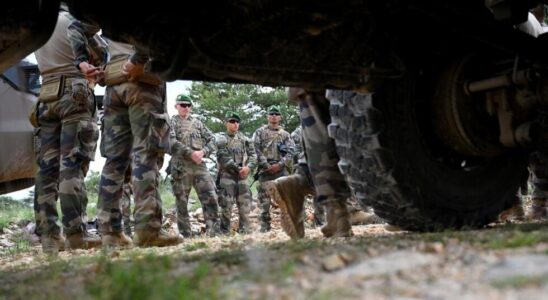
(503, 261)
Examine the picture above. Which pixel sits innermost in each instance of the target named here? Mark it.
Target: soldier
(296, 135)
(329, 184)
(274, 149)
(136, 133)
(236, 157)
(67, 135)
(126, 203)
(192, 141)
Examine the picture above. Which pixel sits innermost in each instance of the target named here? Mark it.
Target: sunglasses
(274, 114)
(185, 105)
(233, 121)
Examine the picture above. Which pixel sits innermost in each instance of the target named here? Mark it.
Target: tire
(395, 163)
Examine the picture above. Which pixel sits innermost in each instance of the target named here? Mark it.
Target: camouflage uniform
(267, 141)
(136, 132)
(188, 136)
(301, 167)
(126, 203)
(67, 137)
(233, 151)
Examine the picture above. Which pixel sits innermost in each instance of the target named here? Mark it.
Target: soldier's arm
(251, 154)
(287, 159)
(209, 145)
(262, 161)
(78, 34)
(224, 157)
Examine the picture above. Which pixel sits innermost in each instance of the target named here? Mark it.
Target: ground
(503, 261)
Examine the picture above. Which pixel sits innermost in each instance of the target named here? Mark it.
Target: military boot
(338, 220)
(515, 212)
(115, 239)
(83, 240)
(212, 228)
(289, 193)
(539, 209)
(52, 244)
(156, 238)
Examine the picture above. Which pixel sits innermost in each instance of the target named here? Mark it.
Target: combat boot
(539, 209)
(338, 220)
(52, 244)
(83, 240)
(156, 238)
(515, 212)
(115, 240)
(289, 193)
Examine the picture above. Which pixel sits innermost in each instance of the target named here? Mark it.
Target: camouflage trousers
(264, 198)
(234, 190)
(184, 176)
(320, 150)
(137, 130)
(67, 139)
(126, 208)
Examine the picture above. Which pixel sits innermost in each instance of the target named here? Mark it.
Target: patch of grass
(152, 278)
(516, 240)
(196, 245)
(518, 282)
(168, 200)
(13, 211)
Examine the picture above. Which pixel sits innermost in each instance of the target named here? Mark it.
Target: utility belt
(114, 75)
(52, 88)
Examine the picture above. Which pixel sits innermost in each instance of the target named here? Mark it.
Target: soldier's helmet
(232, 116)
(183, 99)
(274, 109)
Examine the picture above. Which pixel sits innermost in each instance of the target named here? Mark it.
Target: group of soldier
(137, 132)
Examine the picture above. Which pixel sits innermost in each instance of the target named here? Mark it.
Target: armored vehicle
(435, 104)
(19, 87)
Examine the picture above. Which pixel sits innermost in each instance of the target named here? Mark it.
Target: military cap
(274, 109)
(183, 99)
(232, 115)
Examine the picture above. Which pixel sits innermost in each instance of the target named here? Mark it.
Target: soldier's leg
(205, 188)
(181, 185)
(539, 168)
(330, 184)
(226, 201)
(319, 213)
(243, 201)
(264, 205)
(116, 143)
(150, 130)
(46, 188)
(126, 209)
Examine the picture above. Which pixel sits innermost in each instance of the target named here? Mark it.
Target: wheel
(402, 154)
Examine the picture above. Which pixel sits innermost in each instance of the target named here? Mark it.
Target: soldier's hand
(244, 171)
(132, 71)
(197, 156)
(90, 71)
(273, 169)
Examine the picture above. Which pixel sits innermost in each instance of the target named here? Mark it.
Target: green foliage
(13, 211)
(152, 278)
(92, 182)
(212, 100)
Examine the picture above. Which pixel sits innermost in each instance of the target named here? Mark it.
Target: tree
(212, 100)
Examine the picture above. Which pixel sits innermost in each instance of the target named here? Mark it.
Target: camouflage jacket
(86, 43)
(233, 150)
(297, 136)
(267, 142)
(188, 136)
